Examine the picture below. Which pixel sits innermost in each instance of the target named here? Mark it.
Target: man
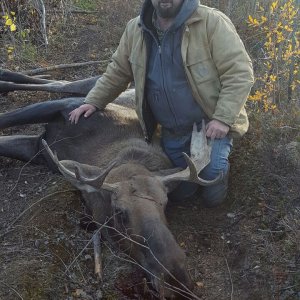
(188, 64)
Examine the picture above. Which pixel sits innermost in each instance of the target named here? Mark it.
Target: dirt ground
(247, 249)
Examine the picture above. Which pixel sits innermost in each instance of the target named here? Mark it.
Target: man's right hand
(86, 109)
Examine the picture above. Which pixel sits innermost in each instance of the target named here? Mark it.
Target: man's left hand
(216, 129)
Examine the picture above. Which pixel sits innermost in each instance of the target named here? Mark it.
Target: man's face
(167, 8)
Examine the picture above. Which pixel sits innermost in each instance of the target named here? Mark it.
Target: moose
(120, 175)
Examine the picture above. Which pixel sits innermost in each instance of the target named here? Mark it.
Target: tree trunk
(229, 8)
(292, 65)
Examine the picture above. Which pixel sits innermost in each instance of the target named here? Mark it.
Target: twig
(270, 231)
(81, 273)
(289, 127)
(97, 255)
(230, 277)
(88, 243)
(63, 66)
(2, 282)
(269, 207)
(288, 287)
(28, 208)
(78, 11)
(182, 292)
(78, 255)
(186, 293)
(28, 162)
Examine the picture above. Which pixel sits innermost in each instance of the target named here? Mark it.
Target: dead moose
(119, 175)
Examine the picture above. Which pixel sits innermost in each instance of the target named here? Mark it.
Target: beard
(166, 9)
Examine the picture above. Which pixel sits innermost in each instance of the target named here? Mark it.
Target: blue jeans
(211, 195)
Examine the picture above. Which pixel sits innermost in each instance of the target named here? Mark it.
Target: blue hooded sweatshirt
(167, 90)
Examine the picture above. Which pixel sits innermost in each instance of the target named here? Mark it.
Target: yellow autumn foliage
(10, 24)
(279, 70)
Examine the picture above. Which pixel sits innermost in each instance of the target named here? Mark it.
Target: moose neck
(138, 151)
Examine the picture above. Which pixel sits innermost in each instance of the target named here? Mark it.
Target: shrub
(277, 78)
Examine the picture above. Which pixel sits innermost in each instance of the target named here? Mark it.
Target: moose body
(121, 177)
(105, 136)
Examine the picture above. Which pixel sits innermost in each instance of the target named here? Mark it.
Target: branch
(88, 243)
(184, 292)
(78, 11)
(63, 66)
(97, 255)
(230, 277)
(10, 287)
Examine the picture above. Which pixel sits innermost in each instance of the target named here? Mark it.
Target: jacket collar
(196, 16)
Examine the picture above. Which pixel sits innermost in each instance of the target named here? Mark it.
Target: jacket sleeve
(116, 78)
(234, 67)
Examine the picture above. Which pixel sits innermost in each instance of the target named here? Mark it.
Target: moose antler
(96, 179)
(200, 158)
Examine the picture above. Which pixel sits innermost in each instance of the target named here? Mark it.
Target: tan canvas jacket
(217, 67)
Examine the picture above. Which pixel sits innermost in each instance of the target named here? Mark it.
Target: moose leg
(42, 112)
(6, 75)
(21, 147)
(12, 81)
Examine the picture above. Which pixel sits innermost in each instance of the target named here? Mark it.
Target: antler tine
(193, 176)
(200, 158)
(78, 174)
(97, 181)
(60, 166)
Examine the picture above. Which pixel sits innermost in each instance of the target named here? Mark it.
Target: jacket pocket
(202, 70)
(160, 107)
(205, 82)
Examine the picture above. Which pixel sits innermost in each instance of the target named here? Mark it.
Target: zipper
(142, 120)
(163, 84)
(162, 70)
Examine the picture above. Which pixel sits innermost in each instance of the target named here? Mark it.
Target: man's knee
(212, 196)
(218, 159)
(183, 191)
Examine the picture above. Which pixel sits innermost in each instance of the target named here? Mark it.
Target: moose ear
(172, 185)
